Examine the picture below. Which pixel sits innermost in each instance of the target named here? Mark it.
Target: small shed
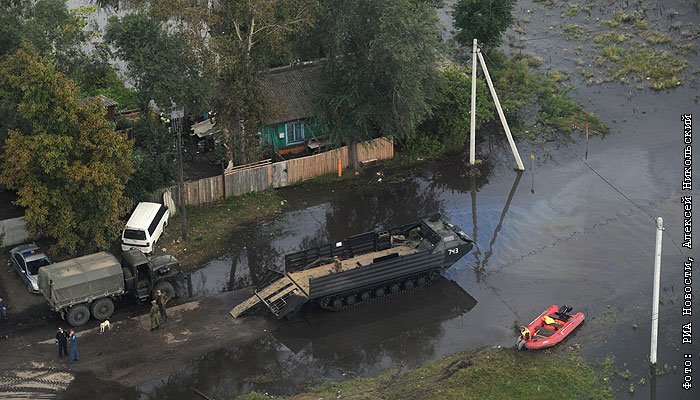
(291, 122)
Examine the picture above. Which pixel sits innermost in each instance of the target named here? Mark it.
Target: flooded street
(578, 233)
(574, 231)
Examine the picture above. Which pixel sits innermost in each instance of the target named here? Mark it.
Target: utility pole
(502, 116)
(472, 128)
(176, 123)
(655, 301)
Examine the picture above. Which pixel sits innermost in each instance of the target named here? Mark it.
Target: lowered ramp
(282, 297)
(245, 306)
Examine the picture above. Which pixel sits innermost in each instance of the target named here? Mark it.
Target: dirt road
(128, 354)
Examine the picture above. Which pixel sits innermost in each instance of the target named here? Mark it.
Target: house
(291, 125)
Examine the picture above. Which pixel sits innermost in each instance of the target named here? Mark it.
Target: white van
(144, 227)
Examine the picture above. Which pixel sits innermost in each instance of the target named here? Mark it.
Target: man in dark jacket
(62, 341)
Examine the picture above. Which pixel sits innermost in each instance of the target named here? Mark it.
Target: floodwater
(573, 230)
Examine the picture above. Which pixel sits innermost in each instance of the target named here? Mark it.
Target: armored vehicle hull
(369, 267)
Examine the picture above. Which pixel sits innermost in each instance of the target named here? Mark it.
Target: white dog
(105, 325)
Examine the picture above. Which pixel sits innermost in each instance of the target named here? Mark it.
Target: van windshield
(134, 234)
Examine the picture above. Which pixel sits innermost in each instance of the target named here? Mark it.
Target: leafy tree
(68, 165)
(452, 110)
(483, 20)
(153, 159)
(155, 62)
(381, 68)
(56, 32)
(247, 35)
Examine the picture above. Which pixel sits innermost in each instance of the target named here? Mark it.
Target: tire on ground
(166, 288)
(78, 315)
(102, 308)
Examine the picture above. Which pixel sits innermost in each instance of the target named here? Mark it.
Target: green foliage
(483, 20)
(112, 86)
(381, 71)
(452, 109)
(560, 112)
(661, 69)
(67, 164)
(156, 63)
(499, 373)
(248, 36)
(153, 159)
(56, 32)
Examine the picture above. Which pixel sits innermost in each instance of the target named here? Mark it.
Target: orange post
(340, 167)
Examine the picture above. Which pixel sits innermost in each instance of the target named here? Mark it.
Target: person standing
(3, 308)
(155, 315)
(337, 265)
(73, 339)
(62, 341)
(162, 300)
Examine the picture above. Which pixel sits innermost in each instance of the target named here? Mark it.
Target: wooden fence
(263, 175)
(299, 169)
(248, 178)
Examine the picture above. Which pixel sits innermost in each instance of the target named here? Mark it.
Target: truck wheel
(78, 315)
(102, 308)
(128, 278)
(166, 288)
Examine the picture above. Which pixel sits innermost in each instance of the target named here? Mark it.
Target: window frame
(294, 124)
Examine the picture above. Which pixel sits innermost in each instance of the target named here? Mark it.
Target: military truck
(362, 269)
(88, 285)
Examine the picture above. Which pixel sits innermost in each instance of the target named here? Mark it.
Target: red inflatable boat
(550, 328)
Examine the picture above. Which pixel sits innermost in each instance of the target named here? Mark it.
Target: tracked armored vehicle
(369, 267)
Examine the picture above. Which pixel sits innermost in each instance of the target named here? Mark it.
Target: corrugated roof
(290, 92)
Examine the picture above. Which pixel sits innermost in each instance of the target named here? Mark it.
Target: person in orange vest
(525, 333)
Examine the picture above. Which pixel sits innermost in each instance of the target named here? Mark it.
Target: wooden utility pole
(504, 123)
(176, 123)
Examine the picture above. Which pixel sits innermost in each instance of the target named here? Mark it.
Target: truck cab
(143, 276)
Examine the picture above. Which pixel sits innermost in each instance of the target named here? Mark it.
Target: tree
(68, 165)
(483, 20)
(453, 105)
(153, 158)
(155, 63)
(247, 35)
(381, 68)
(56, 32)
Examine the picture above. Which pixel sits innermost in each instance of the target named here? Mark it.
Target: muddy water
(573, 231)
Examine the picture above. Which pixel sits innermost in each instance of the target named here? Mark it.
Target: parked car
(27, 259)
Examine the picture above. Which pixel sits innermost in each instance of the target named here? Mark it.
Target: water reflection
(320, 345)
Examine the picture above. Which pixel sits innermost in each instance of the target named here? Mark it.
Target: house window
(295, 132)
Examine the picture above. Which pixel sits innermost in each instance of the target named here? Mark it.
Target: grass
(573, 31)
(498, 373)
(211, 226)
(573, 10)
(656, 37)
(660, 68)
(610, 38)
(685, 49)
